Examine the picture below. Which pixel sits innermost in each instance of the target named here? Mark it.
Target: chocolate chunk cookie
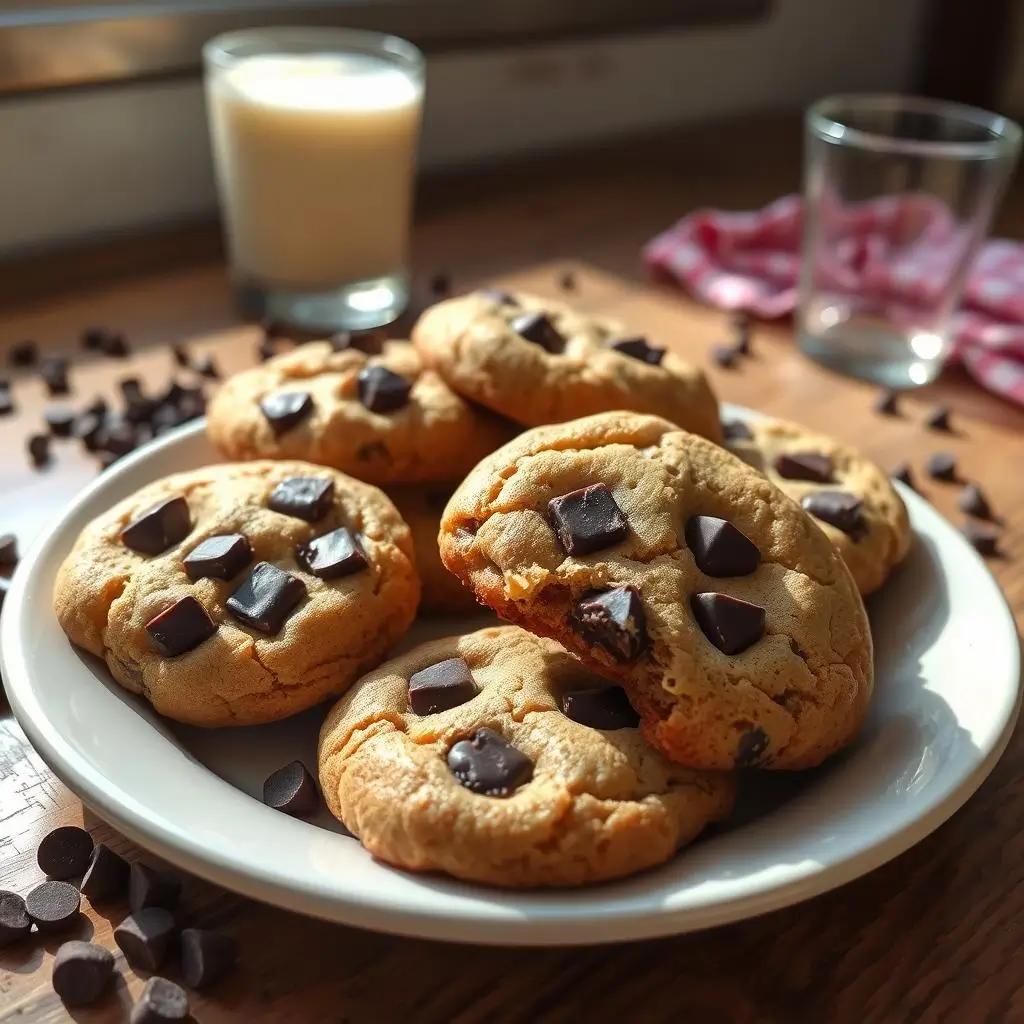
(376, 414)
(721, 607)
(537, 361)
(238, 594)
(852, 500)
(498, 758)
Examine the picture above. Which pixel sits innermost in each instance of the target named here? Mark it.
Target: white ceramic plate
(946, 701)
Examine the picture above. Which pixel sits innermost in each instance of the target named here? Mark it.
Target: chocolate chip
(54, 372)
(24, 353)
(181, 355)
(812, 466)
(751, 748)
(441, 285)
(206, 366)
(615, 620)
(498, 297)
(382, 391)
(736, 430)
(941, 466)
(265, 350)
(904, 474)
(304, 497)
(638, 348)
(180, 628)
(587, 520)
(840, 509)
(291, 789)
(938, 419)
(286, 409)
(332, 556)
(6, 402)
(161, 1001)
(719, 549)
(206, 956)
(64, 852)
(370, 343)
(603, 707)
(488, 764)
(567, 282)
(60, 419)
(741, 344)
(150, 887)
(139, 407)
(158, 528)
(730, 624)
(221, 558)
(974, 503)
(106, 878)
(14, 920)
(887, 402)
(81, 971)
(191, 403)
(115, 345)
(439, 687)
(266, 598)
(53, 905)
(724, 356)
(982, 537)
(39, 450)
(145, 936)
(8, 551)
(538, 328)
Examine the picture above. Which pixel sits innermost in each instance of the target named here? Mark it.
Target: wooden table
(933, 936)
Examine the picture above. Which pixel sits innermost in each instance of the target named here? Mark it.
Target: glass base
(360, 306)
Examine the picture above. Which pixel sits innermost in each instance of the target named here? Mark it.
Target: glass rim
(825, 118)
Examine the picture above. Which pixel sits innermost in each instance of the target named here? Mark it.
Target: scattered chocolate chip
(724, 356)
(904, 474)
(974, 503)
(332, 556)
(439, 687)
(719, 548)
(286, 409)
(539, 329)
(603, 707)
(587, 520)
(304, 497)
(161, 1001)
(8, 551)
(191, 403)
(39, 450)
(60, 419)
(139, 407)
(751, 748)
(639, 348)
(180, 628)
(730, 624)
(938, 419)
(812, 466)
(6, 402)
(370, 343)
(615, 620)
(981, 536)
(97, 407)
(382, 391)
(117, 436)
(53, 905)
(887, 402)
(24, 353)
(941, 466)
(54, 372)
(81, 971)
(567, 281)
(498, 297)
(145, 936)
(221, 557)
(115, 345)
(488, 764)
(206, 366)
(441, 285)
(181, 355)
(266, 349)
(736, 430)
(266, 598)
(840, 509)
(14, 920)
(106, 877)
(64, 852)
(106, 459)
(150, 887)
(206, 956)
(291, 789)
(158, 528)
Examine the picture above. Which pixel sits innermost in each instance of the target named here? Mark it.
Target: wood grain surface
(933, 936)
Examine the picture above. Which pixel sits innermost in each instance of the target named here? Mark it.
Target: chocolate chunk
(497, 296)
(638, 348)
(724, 356)
(138, 406)
(291, 789)
(904, 474)
(488, 764)
(887, 402)
(441, 285)
(812, 466)
(24, 353)
(730, 624)
(382, 391)
(266, 598)
(158, 528)
(64, 852)
(8, 551)
(145, 936)
(39, 450)
(938, 419)
(840, 509)
(53, 905)
(81, 971)
(736, 430)
(6, 402)
(115, 345)
(941, 466)
(719, 549)
(439, 687)
(150, 887)
(206, 366)
(370, 343)
(567, 281)
(206, 956)
(974, 503)
(304, 497)
(54, 372)
(14, 920)
(751, 748)
(982, 537)
(587, 520)
(286, 409)
(602, 707)
(332, 556)
(180, 628)
(106, 878)
(538, 328)
(614, 619)
(161, 1001)
(191, 403)
(117, 436)
(60, 419)
(221, 558)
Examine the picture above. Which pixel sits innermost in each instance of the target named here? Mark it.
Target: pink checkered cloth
(894, 251)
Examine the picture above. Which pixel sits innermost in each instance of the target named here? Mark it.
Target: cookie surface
(543, 799)
(477, 343)
(382, 418)
(238, 594)
(708, 593)
(851, 499)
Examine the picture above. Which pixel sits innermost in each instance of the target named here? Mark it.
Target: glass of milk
(314, 134)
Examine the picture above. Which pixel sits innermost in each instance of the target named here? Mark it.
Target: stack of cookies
(685, 595)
